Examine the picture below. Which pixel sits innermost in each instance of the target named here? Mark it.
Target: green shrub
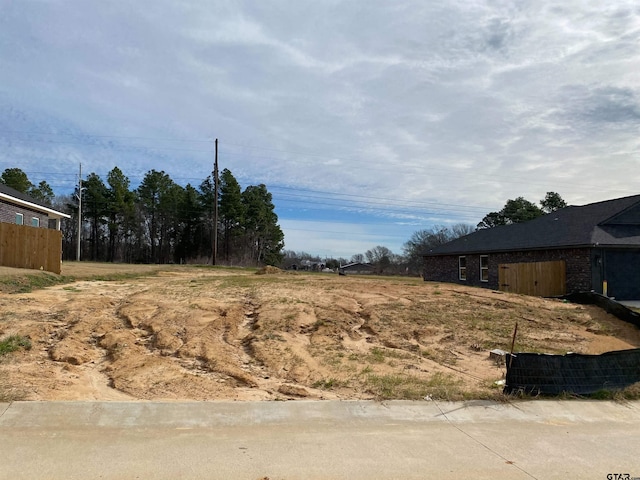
(13, 343)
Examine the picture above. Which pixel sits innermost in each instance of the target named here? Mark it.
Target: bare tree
(422, 240)
(380, 257)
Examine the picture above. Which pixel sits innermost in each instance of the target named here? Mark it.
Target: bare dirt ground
(189, 333)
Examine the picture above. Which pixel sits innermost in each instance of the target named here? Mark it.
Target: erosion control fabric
(534, 373)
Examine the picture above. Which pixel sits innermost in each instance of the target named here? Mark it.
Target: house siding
(8, 214)
(444, 268)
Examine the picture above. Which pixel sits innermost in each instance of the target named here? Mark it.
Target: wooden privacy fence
(540, 279)
(22, 246)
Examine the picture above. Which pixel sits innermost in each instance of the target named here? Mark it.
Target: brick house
(595, 247)
(20, 208)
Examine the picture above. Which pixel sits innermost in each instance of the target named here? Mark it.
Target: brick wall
(8, 214)
(445, 268)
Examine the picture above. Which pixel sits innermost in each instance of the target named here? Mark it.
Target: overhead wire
(287, 195)
(352, 157)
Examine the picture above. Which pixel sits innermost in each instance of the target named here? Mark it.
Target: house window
(19, 219)
(462, 268)
(484, 268)
(35, 222)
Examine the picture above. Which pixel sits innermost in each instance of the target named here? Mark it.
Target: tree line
(411, 260)
(161, 221)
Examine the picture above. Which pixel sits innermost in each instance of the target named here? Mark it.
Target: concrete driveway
(630, 303)
(319, 440)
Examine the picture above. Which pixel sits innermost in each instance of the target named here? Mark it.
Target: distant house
(594, 247)
(21, 209)
(356, 268)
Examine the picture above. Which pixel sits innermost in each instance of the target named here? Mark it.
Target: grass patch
(327, 384)
(28, 283)
(632, 392)
(120, 277)
(13, 343)
(376, 355)
(71, 289)
(409, 387)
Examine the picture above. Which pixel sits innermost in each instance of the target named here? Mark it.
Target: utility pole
(215, 208)
(79, 213)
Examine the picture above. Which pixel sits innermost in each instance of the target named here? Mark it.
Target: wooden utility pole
(215, 208)
(79, 214)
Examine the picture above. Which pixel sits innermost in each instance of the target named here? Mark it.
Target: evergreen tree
(521, 210)
(232, 210)
(152, 194)
(190, 217)
(43, 193)
(16, 179)
(207, 201)
(552, 202)
(264, 238)
(514, 211)
(120, 211)
(94, 207)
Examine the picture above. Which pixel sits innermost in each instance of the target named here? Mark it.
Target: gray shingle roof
(12, 192)
(22, 196)
(612, 222)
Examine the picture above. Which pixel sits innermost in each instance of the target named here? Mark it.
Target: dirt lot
(231, 334)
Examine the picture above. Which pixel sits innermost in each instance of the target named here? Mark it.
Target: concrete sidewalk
(319, 440)
(630, 303)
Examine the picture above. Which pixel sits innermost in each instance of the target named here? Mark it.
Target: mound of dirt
(214, 334)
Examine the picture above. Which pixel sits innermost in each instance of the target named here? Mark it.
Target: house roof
(357, 265)
(12, 195)
(609, 223)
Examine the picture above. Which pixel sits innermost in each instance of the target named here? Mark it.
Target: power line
(115, 147)
(433, 171)
(383, 199)
(350, 234)
(154, 139)
(367, 201)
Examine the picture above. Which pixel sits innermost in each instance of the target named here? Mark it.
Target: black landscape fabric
(575, 373)
(608, 304)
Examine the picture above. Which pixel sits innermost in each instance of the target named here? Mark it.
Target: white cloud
(465, 103)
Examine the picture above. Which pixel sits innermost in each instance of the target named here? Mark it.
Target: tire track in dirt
(205, 334)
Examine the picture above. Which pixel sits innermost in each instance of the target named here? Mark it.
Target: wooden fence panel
(540, 279)
(22, 246)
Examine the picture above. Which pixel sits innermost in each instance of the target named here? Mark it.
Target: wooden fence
(540, 279)
(22, 246)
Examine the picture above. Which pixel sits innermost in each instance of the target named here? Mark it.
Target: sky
(366, 120)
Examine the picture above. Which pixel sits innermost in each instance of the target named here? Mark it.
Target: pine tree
(264, 238)
(232, 210)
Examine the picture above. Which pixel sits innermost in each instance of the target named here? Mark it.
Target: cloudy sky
(367, 120)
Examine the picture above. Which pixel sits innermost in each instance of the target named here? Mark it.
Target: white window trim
(35, 222)
(484, 268)
(460, 267)
(21, 217)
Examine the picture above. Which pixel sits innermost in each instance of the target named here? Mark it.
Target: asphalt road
(320, 440)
